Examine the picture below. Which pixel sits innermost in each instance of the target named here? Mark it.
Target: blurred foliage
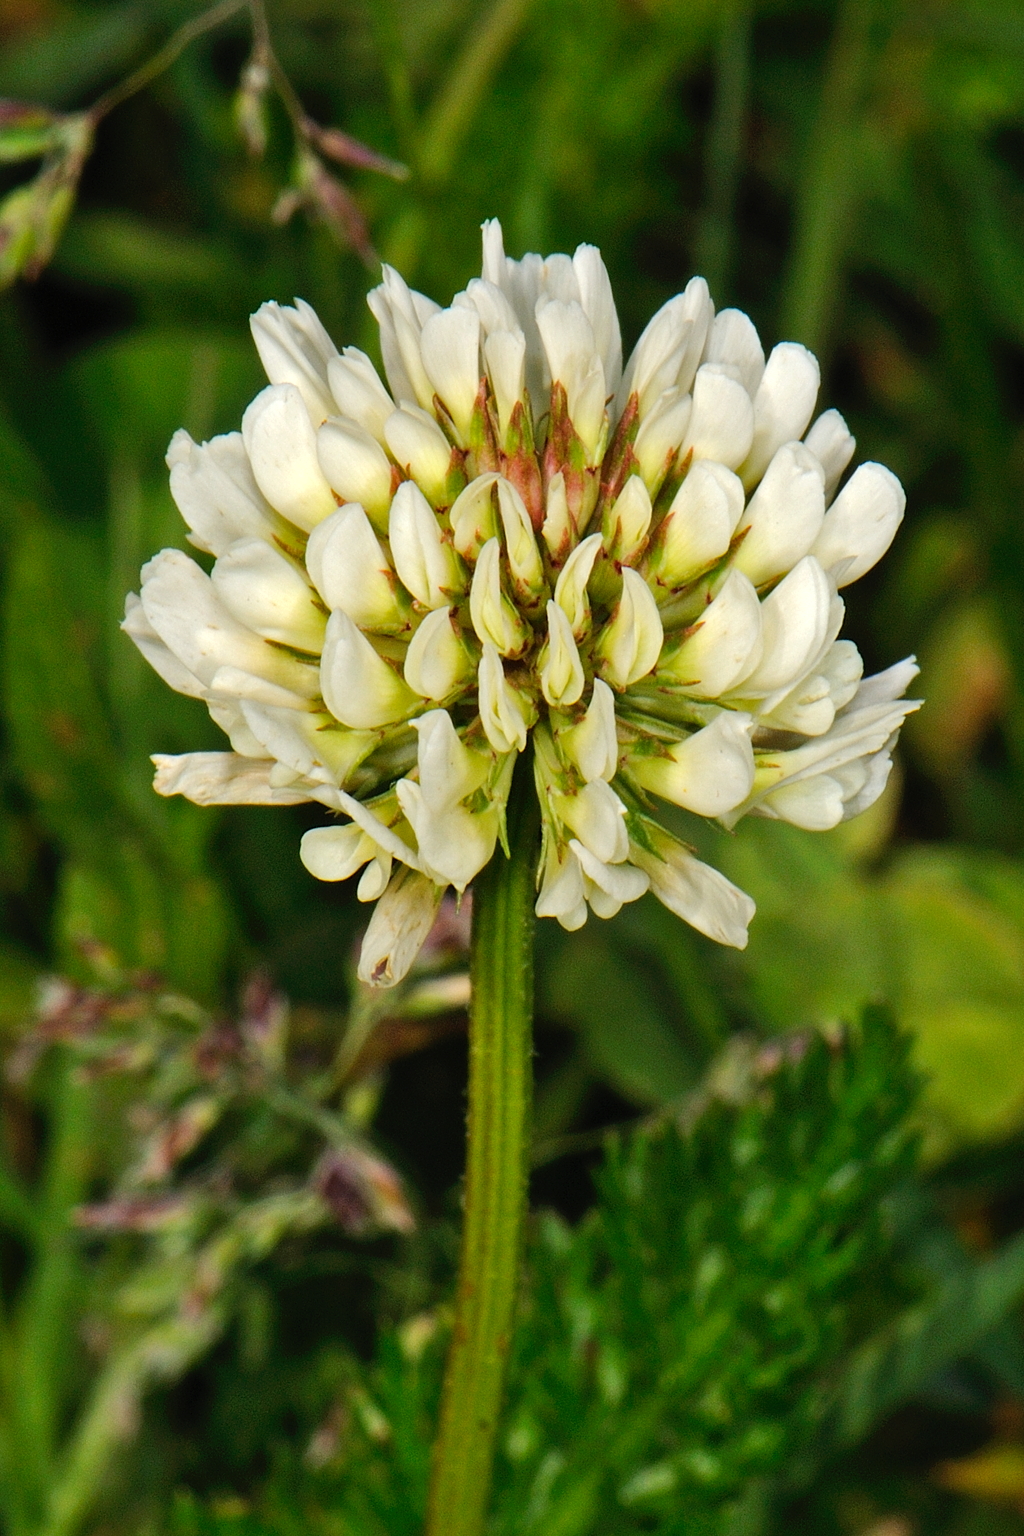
(852, 173)
(211, 1148)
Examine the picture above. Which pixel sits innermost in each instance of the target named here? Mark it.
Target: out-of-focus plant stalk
(137, 81)
(35, 1334)
(452, 110)
(725, 144)
(496, 1169)
(435, 143)
(828, 183)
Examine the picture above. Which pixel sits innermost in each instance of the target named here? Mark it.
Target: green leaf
(891, 1369)
(675, 1346)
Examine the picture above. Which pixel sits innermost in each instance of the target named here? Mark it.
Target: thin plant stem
(44, 1309)
(500, 1044)
(828, 184)
(453, 108)
(725, 144)
(394, 66)
(165, 57)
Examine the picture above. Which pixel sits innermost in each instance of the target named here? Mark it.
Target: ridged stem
(496, 1167)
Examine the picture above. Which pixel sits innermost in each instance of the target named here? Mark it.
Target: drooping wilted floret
(520, 542)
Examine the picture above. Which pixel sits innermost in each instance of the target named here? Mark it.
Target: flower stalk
(496, 1172)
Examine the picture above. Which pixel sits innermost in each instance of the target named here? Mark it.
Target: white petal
(597, 816)
(502, 714)
(309, 743)
(215, 492)
(295, 349)
(437, 660)
(878, 769)
(561, 893)
(661, 435)
(473, 516)
(561, 671)
(733, 340)
(182, 607)
(571, 586)
(494, 309)
(727, 644)
(221, 778)
(424, 559)
(421, 449)
(861, 523)
(448, 770)
(784, 515)
(505, 357)
(709, 773)
(455, 844)
(558, 526)
(567, 336)
(233, 685)
(401, 313)
(163, 661)
(450, 346)
(857, 734)
(783, 405)
(382, 834)
(700, 895)
(814, 804)
(263, 590)
(525, 563)
(229, 716)
(492, 614)
(373, 881)
(593, 745)
(335, 853)
(722, 421)
(885, 686)
(351, 570)
(358, 392)
(630, 644)
(355, 466)
(625, 524)
(832, 444)
(811, 706)
(401, 920)
(794, 623)
(622, 882)
(599, 307)
(699, 525)
(568, 340)
(359, 687)
(281, 443)
(667, 354)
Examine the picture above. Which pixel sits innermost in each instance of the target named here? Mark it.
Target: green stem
(175, 45)
(828, 184)
(452, 111)
(725, 145)
(496, 1169)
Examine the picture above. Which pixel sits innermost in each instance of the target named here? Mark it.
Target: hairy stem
(495, 1191)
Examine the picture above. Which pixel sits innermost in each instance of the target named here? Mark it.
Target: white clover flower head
(518, 543)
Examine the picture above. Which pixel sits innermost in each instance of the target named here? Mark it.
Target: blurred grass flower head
(637, 569)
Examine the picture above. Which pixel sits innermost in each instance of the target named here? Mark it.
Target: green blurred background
(851, 174)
